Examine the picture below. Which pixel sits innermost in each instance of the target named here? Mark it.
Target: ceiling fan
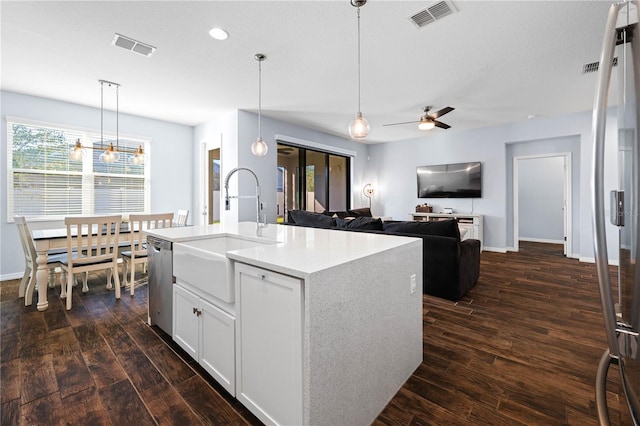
(428, 121)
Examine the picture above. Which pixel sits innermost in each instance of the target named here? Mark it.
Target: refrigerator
(620, 293)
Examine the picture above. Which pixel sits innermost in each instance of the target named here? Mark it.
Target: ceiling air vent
(132, 45)
(594, 66)
(432, 13)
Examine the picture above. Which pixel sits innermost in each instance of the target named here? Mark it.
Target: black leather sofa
(450, 267)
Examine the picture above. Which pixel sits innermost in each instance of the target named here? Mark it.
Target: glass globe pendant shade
(77, 153)
(359, 127)
(138, 157)
(426, 125)
(110, 155)
(259, 148)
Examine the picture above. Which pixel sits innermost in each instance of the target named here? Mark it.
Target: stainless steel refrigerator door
(628, 162)
(622, 319)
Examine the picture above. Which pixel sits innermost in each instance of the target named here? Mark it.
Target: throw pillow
(339, 214)
(444, 228)
(305, 218)
(367, 223)
(361, 212)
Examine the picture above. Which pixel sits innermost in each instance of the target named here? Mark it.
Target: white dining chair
(92, 245)
(138, 242)
(28, 282)
(181, 218)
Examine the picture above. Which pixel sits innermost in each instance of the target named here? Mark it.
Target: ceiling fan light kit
(429, 121)
(359, 127)
(426, 124)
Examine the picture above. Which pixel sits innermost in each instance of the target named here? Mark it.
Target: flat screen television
(460, 180)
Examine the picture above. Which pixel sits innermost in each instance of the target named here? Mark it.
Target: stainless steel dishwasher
(161, 282)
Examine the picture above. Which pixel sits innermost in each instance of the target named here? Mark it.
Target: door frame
(568, 198)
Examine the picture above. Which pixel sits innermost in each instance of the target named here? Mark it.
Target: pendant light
(110, 155)
(259, 148)
(359, 127)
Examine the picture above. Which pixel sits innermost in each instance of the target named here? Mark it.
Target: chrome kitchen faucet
(227, 198)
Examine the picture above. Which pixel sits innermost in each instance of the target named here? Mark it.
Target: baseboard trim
(13, 276)
(495, 249)
(541, 240)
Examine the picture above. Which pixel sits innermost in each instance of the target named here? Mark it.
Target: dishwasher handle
(159, 243)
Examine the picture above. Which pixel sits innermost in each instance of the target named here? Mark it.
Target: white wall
(395, 167)
(170, 150)
(541, 199)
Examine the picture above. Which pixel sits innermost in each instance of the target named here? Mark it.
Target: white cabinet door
(217, 345)
(185, 320)
(269, 344)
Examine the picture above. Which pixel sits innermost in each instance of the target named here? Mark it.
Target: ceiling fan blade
(441, 124)
(442, 112)
(406, 122)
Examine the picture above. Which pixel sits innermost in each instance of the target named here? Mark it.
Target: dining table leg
(42, 280)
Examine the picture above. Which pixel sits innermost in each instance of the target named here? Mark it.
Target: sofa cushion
(361, 212)
(362, 222)
(318, 220)
(336, 214)
(444, 228)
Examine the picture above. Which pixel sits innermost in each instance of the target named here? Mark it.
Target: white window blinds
(43, 182)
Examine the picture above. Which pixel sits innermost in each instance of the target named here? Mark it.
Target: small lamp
(368, 192)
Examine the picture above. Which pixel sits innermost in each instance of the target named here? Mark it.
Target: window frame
(88, 175)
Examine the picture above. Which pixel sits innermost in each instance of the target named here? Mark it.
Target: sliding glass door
(323, 184)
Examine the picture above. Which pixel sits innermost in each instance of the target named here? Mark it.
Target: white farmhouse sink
(203, 264)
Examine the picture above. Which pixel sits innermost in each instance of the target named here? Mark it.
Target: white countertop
(297, 251)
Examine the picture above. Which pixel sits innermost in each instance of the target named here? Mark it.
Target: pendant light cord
(117, 118)
(101, 115)
(259, 97)
(358, 59)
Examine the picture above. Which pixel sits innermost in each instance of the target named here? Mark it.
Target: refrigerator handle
(597, 179)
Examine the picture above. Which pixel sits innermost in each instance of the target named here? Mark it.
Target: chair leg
(31, 285)
(52, 277)
(125, 270)
(63, 283)
(85, 287)
(117, 280)
(133, 278)
(109, 273)
(24, 281)
(69, 290)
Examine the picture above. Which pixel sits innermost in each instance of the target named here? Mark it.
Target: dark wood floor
(521, 348)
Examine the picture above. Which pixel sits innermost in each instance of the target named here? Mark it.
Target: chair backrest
(26, 240)
(181, 218)
(95, 238)
(140, 223)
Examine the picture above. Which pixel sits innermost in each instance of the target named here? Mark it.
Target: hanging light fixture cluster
(359, 127)
(112, 153)
(259, 148)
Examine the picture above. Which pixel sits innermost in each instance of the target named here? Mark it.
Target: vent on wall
(594, 66)
(132, 45)
(432, 13)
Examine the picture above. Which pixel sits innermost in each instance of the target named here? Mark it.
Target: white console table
(471, 222)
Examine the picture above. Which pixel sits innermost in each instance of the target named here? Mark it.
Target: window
(324, 185)
(43, 182)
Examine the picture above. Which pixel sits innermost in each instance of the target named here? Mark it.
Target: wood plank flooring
(521, 348)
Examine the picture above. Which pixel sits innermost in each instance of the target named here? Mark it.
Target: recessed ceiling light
(218, 33)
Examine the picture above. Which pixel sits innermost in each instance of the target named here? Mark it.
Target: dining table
(46, 240)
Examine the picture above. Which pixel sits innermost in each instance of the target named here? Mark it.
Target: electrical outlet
(413, 284)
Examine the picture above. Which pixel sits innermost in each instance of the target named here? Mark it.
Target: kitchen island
(326, 326)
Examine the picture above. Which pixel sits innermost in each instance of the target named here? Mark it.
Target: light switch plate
(413, 284)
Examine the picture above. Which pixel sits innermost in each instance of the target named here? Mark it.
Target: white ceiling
(495, 62)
